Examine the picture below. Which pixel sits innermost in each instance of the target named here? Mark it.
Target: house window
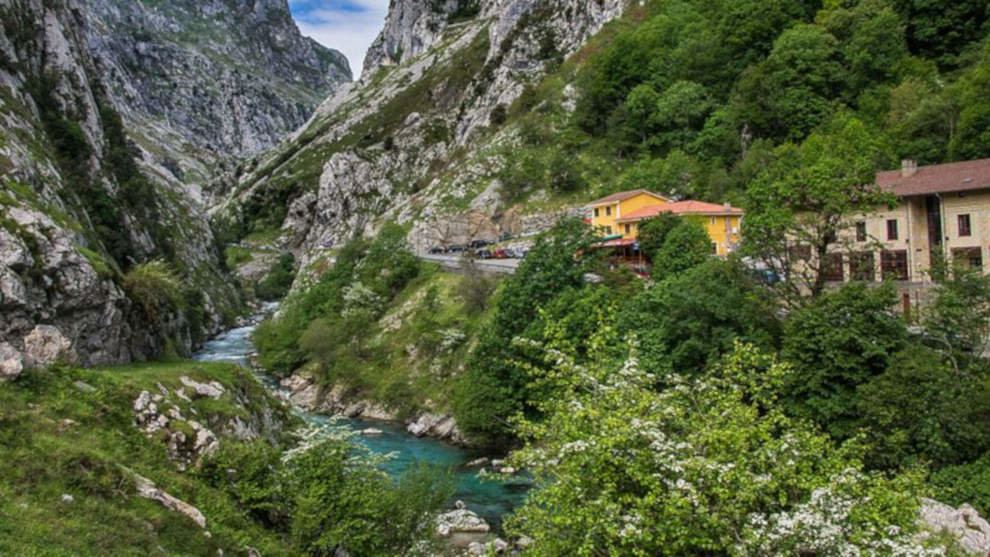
(608, 211)
(714, 248)
(833, 268)
(860, 231)
(800, 253)
(892, 229)
(628, 228)
(862, 266)
(969, 257)
(893, 265)
(965, 229)
(596, 211)
(714, 221)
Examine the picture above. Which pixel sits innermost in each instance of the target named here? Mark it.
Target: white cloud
(349, 26)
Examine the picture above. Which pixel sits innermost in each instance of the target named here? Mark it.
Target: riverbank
(490, 499)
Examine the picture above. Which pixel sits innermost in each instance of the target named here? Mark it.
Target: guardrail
(488, 266)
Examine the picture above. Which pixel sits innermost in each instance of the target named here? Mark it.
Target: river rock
(371, 431)
(964, 524)
(461, 521)
(478, 462)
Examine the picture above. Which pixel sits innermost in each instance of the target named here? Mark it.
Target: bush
(329, 495)
(920, 408)
(156, 288)
(278, 281)
(967, 483)
(687, 322)
(475, 288)
(687, 245)
(704, 468)
(841, 341)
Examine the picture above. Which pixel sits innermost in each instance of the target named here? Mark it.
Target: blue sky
(346, 25)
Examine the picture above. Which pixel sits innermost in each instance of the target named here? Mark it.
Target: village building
(619, 216)
(941, 211)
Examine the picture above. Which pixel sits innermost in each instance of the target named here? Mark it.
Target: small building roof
(941, 178)
(624, 195)
(688, 207)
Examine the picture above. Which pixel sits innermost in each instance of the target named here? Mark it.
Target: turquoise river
(490, 499)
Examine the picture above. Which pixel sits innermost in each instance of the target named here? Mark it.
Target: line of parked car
(481, 249)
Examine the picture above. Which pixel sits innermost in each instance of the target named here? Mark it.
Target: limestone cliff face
(227, 77)
(415, 139)
(111, 114)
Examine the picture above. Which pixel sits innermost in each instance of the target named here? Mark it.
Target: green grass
(236, 256)
(56, 439)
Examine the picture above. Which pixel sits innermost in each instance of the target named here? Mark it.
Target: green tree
(686, 323)
(873, 41)
(841, 341)
(678, 114)
(804, 200)
(921, 408)
(494, 388)
(943, 29)
(652, 233)
(792, 91)
(972, 140)
(686, 246)
(958, 320)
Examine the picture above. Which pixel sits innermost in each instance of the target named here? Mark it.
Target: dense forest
(693, 98)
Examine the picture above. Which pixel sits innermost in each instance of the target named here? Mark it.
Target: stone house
(941, 210)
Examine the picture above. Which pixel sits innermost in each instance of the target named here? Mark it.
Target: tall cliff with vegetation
(112, 116)
(472, 116)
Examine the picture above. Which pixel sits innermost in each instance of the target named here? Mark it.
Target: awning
(624, 242)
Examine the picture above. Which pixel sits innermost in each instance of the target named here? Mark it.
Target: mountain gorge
(114, 114)
(414, 140)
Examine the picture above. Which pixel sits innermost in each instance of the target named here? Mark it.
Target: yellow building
(606, 211)
(722, 222)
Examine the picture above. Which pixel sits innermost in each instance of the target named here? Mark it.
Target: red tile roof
(624, 195)
(688, 207)
(942, 178)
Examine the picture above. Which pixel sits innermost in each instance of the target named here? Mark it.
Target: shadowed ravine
(490, 499)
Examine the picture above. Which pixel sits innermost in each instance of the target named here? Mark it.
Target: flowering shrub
(705, 466)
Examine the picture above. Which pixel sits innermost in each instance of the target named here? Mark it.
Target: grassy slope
(45, 456)
(407, 365)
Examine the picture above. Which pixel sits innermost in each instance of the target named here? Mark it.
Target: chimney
(908, 168)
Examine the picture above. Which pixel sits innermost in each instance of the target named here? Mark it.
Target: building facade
(722, 222)
(622, 213)
(607, 210)
(941, 211)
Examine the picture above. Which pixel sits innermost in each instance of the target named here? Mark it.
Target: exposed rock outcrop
(230, 78)
(113, 115)
(146, 488)
(413, 141)
(963, 524)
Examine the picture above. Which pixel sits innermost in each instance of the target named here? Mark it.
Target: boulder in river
(461, 521)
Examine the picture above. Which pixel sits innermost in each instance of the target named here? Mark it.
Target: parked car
(505, 237)
(500, 254)
(456, 248)
(476, 244)
(483, 254)
(437, 250)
